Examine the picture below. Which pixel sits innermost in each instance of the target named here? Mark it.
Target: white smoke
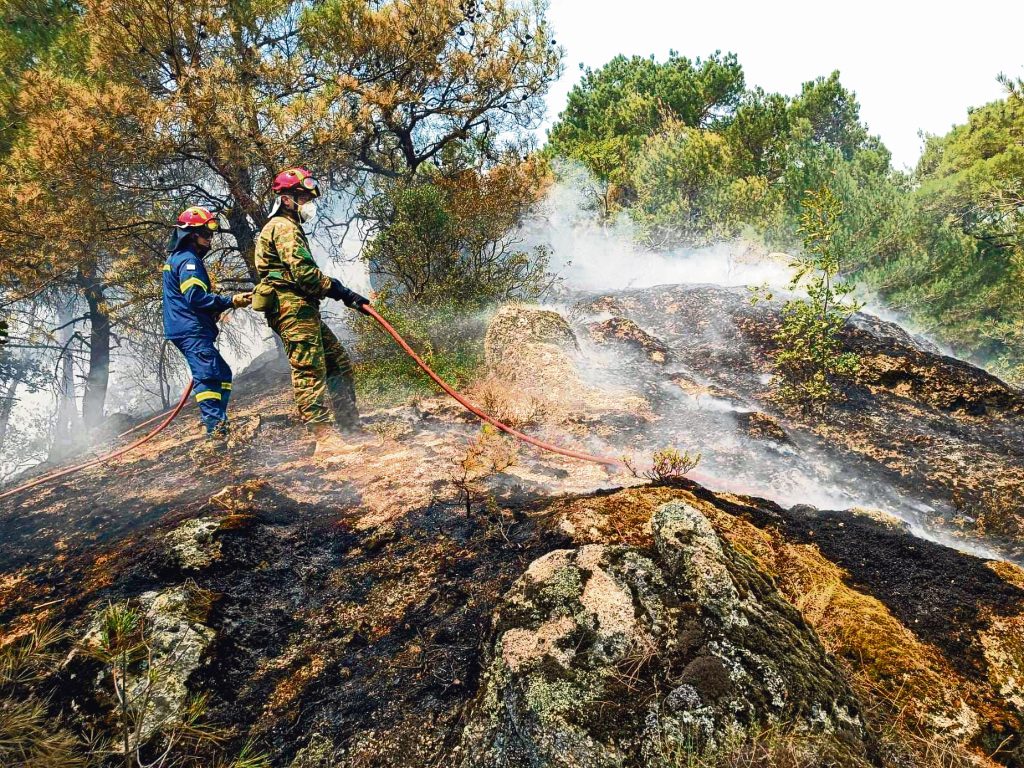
(594, 255)
(590, 254)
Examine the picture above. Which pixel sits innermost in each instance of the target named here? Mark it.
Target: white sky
(913, 65)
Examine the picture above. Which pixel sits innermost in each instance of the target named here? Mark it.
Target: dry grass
(773, 747)
(921, 711)
(509, 404)
(29, 736)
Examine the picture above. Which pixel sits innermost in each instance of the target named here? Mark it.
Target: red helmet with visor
(193, 221)
(296, 179)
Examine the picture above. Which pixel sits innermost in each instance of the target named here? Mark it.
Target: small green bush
(809, 359)
(447, 338)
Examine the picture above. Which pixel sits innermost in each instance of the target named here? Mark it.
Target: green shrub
(447, 338)
(809, 359)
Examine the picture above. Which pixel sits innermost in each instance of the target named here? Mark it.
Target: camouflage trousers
(321, 368)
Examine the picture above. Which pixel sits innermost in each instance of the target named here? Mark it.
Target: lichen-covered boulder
(516, 325)
(172, 643)
(192, 545)
(617, 656)
(177, 641)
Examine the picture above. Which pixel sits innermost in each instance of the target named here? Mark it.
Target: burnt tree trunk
(98, 376)
(65, 428)
(245, 239)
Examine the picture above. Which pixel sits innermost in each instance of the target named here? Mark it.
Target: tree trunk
(65, 428)
(7, 401)
(245, 238)
(98, 376)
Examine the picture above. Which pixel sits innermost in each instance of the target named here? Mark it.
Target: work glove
(241, 300)
(347, 296)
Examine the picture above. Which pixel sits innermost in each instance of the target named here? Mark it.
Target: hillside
(440, 596)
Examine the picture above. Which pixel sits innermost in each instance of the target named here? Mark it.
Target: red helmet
(296, 178)
(198, 218)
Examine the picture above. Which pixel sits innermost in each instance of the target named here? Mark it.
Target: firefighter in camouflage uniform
(289, 294)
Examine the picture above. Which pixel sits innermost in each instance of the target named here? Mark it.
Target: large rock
(192, 545)
(515, 326)
(616, 656)
(533, 357)
(173, 644)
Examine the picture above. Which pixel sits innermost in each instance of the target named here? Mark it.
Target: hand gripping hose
(109, 456)
(605, 460)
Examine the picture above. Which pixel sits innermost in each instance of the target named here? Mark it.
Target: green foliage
(809, 356)
(688, 188)
(446, 337)
(450, 240)
(832, 114)
(445, 250)
(695, 156)
(634, 120)
(612, 110)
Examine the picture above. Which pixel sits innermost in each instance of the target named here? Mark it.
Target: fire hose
(369, 310)
(606, 460)
(106, 457)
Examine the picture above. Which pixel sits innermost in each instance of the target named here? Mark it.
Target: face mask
(307, 211)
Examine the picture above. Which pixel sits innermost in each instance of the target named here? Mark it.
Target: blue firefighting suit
(191, 310)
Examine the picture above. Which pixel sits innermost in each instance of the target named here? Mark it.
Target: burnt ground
(374, 639)
(354, 603)
(932, 438)
(943, 596)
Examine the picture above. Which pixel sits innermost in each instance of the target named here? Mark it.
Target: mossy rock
(517, 325)
(617, 656)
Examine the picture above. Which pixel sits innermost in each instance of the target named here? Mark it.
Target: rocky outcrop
(620, 656)
(619, 330)
(192, 545)
(517, 325)
(945, 433)
(168, 643)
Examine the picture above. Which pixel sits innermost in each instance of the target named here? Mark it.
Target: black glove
(337, 290)
(347, 296)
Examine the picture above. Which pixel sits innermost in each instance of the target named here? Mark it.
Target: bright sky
(913, 65)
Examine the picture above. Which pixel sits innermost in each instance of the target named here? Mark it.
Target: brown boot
(330, 445)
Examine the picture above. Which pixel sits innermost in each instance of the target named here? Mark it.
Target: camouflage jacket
(283, 259)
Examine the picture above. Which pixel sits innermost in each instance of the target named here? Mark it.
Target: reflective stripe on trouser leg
(209, 370)
(225, 390)
(340, 380)
(212, 405)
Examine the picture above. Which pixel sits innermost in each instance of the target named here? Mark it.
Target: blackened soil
(353, 635)
(942, 595)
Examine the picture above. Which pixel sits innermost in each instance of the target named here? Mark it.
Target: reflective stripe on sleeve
(194, 281)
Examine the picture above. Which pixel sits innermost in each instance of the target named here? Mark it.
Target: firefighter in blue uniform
(191, 310)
